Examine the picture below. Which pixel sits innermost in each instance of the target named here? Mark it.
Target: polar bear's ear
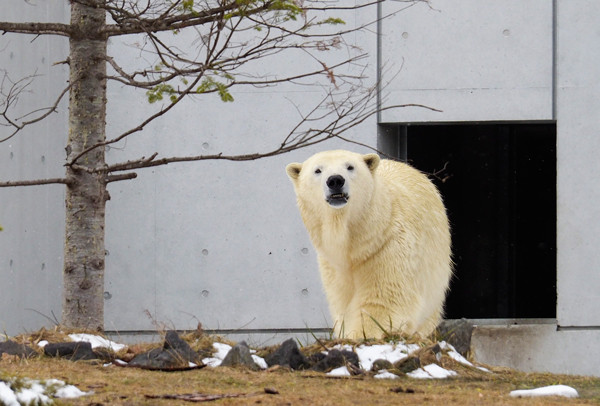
(293, 170)
(372, 161)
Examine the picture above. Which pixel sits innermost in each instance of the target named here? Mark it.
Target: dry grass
(129, 386)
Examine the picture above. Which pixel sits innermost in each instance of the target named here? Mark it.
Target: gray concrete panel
(474, 60)
(578, 122)
(31, 245)
(537, 348)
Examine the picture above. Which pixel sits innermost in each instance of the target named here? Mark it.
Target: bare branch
(140, 127)
(123, 176)
(328, 71)
(64, 181)
(135, 23)
(10, 98)
(340, 117)
(221, 57)
(35, 182)
(36, 28)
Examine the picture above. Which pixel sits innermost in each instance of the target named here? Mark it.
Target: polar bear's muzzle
(336, 192)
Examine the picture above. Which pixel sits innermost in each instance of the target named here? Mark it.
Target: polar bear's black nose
(335, 182)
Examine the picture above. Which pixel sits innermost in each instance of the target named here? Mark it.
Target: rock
(316, 357)
(380, 364)
(431, 354)
(458, 333)
(408, 364)
(175, 354)
(160, 359)
(351, 357)
(336, 359)
(13, 348)
(174, 342)
(239, 355)
(288, 355)
(74, 351)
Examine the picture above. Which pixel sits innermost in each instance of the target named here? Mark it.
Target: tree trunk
(83, 275)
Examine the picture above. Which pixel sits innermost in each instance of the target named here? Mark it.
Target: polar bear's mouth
(338, 199)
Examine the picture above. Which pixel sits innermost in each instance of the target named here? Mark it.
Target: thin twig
(34, 182)
(123, 176)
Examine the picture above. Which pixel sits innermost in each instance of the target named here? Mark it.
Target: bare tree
(198, 47)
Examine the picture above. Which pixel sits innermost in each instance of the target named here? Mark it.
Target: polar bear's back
(412, 192)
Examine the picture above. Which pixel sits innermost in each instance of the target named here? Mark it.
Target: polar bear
(383, 242)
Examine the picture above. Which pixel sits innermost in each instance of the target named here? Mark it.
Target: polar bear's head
(334, 178)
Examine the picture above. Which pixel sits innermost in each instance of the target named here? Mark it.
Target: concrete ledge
(538, 348)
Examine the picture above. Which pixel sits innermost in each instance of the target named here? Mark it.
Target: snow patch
(384, 374)
(69, 392)
(32, 392)
(452, 353)
(97, 341)
(367, 354)
(7, 396)
(218, 356)
(260, 362)
(341, 371)
(553, 390)
(431, 371)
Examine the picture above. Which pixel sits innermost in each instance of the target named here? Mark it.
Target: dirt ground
(112, 385)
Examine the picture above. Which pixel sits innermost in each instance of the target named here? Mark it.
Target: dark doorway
(499, 186)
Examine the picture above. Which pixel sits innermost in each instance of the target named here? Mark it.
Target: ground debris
(197, 397)
(271, 391)
(400, 389)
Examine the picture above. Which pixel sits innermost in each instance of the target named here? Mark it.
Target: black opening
(498, 182)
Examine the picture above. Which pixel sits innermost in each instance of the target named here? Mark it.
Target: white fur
(384, 256)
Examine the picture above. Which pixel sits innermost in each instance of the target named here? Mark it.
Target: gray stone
(288, 355)
(159, 359)
(408, 364)
(336, 359)
(13, 348)
(380, 364)
(74, 351)
(175, 354)
(458, 333)
(239, 355)
(181, 347)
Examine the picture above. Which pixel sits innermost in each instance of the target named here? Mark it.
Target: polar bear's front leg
(339, 289)
(377, 311)
(367, 319)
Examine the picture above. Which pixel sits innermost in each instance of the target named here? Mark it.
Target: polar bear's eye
(317, 171)
(350, 167)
